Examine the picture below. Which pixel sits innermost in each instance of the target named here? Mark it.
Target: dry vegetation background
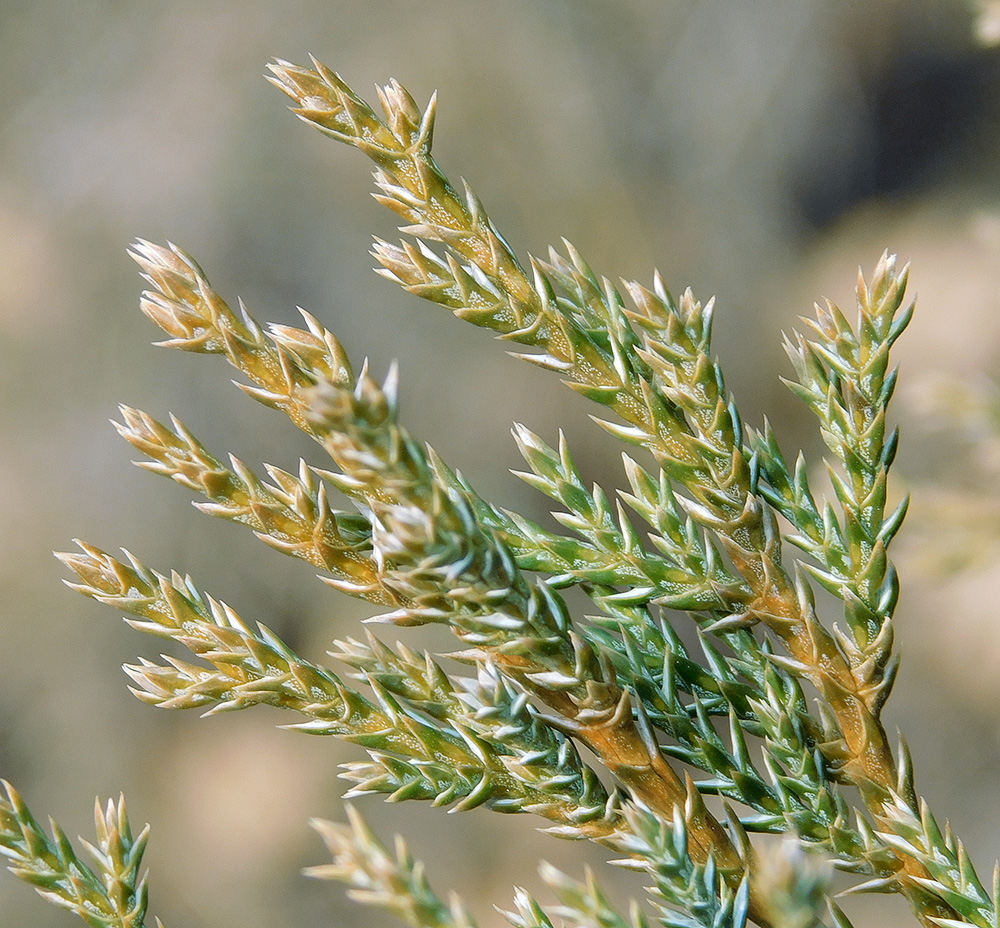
(758, 152)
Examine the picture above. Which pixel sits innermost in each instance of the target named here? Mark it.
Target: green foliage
(725, 718)
(108, 893)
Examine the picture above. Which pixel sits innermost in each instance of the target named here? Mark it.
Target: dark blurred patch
(923, 116)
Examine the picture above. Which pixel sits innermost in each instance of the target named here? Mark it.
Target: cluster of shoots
(768, 724)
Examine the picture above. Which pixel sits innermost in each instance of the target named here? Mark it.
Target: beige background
(759, 152)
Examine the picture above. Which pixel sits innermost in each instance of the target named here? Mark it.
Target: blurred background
(759, 152)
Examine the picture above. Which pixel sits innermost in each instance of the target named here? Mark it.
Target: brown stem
(634, 758)
(871, 764)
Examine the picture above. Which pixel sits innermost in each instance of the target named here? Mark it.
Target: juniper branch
(675, 405)
(698, 440)
(686, 421)
(292, 515)
(584, 903)
(951, 877)
(494, 291)
(282, 365)
(697, 433)
(643, 646)
(685, 893)
(491, 289)
(845, 379)
(294, 371)
(416, 759)
(449, 569)
(109, 893)
(425, 545)
(376, 877)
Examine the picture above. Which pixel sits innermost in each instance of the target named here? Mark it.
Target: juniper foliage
(774, 716)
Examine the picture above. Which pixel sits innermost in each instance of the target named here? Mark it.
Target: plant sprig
(377, 877)
(656, 373)
(731, 703)
(413, 758)
(109, 892)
